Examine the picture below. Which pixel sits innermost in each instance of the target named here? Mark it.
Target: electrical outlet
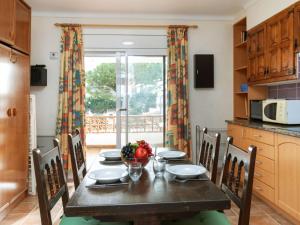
(53, 55)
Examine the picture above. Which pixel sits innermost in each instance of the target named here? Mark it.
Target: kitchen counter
(291, 130)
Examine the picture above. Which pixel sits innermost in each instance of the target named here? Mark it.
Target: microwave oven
(281, 111)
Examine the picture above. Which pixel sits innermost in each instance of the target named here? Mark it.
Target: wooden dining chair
(208, 154)
(52, 186)
(77, 157)
(236, 181)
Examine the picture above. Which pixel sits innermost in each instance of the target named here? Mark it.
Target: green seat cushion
(202, 218)
(87, 221)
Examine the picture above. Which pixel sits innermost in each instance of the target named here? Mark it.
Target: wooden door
(256, 53)
(288, 163)
(280, 41)
(23, 21)
(7, 13)
(18, 154)
(7, 138)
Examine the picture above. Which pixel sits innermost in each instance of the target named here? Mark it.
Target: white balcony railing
(136, 124)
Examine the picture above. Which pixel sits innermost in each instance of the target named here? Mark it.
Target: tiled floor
(27, 212)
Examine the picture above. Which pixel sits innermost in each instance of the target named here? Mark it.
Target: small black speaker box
(38, 75)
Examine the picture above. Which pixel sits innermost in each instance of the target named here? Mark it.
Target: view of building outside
(145, 99)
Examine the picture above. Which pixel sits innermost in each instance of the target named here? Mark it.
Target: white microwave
(281, 111)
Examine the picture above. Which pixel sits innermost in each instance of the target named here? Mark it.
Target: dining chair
(236, 181)
(77, 157)
(52, 186)
(208, 154)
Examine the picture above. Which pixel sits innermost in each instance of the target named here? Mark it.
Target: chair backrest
(51, 182)
(77, 157)
(209, 153)
(239, 164)
(198, 142)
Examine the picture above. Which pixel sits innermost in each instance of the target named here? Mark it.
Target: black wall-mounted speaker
(203, 71)
(38, 75)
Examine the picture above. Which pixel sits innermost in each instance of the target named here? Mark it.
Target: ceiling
(170, 7)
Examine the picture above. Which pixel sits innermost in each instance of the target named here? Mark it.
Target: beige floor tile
(262, 220)
(24, 207)
(281, 220)
(14, 219)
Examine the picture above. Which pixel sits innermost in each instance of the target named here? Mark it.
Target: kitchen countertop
(291, 130)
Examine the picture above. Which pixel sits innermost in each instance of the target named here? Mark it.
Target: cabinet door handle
(258, 188)
(14, 112)
(258, 162)
(8, 112)
(11, 34)
(258, 175)
(257, 135)
(13, 57)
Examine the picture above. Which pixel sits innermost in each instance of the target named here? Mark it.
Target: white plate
(172, 154)
(113, 155)
(186, 171)
(108, 175)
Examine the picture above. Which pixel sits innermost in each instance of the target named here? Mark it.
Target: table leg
(147, 221)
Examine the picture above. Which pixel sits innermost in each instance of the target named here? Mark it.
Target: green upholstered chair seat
(202, 218)
(87, 221)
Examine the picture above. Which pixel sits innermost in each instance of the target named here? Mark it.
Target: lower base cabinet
(288, 162)
(277, 169)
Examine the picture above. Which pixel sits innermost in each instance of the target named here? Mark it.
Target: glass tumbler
(159, 166)
(135, 171)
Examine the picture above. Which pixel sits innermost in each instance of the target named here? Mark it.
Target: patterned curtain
(178, 126)
(71, 109)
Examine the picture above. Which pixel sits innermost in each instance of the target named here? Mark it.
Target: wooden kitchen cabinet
(277, 168)
(15, 20)
(272, 46)
(280, 45)
(289, 175)
(7, 17)
(256, 53)
(15, 16)
(14, 101)
(23, 21)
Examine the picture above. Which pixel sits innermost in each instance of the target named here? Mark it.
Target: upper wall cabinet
(272, 48)
(7, 15)
(256, 53)
(15, 20)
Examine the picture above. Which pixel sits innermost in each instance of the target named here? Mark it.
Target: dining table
(150, 200)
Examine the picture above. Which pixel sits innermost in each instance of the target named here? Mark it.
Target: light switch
(53, 55)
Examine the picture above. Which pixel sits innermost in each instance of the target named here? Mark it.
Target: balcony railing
(136, 124)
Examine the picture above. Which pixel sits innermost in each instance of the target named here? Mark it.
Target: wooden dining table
(149, 201)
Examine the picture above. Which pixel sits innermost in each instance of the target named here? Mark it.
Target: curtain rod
(123, 25)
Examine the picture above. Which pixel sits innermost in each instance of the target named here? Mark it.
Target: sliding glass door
(146, 99)
(125, 98)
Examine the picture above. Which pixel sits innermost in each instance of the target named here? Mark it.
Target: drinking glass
(159, 166)
(135, 171)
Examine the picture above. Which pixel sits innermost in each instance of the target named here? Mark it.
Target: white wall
(261, 10)
(209, 107)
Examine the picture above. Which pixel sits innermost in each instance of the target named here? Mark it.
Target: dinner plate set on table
(115, 176)
(181, 171)
(110, 157)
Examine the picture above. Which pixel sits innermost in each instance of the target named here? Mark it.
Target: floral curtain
(178, 126)
(71, 109)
